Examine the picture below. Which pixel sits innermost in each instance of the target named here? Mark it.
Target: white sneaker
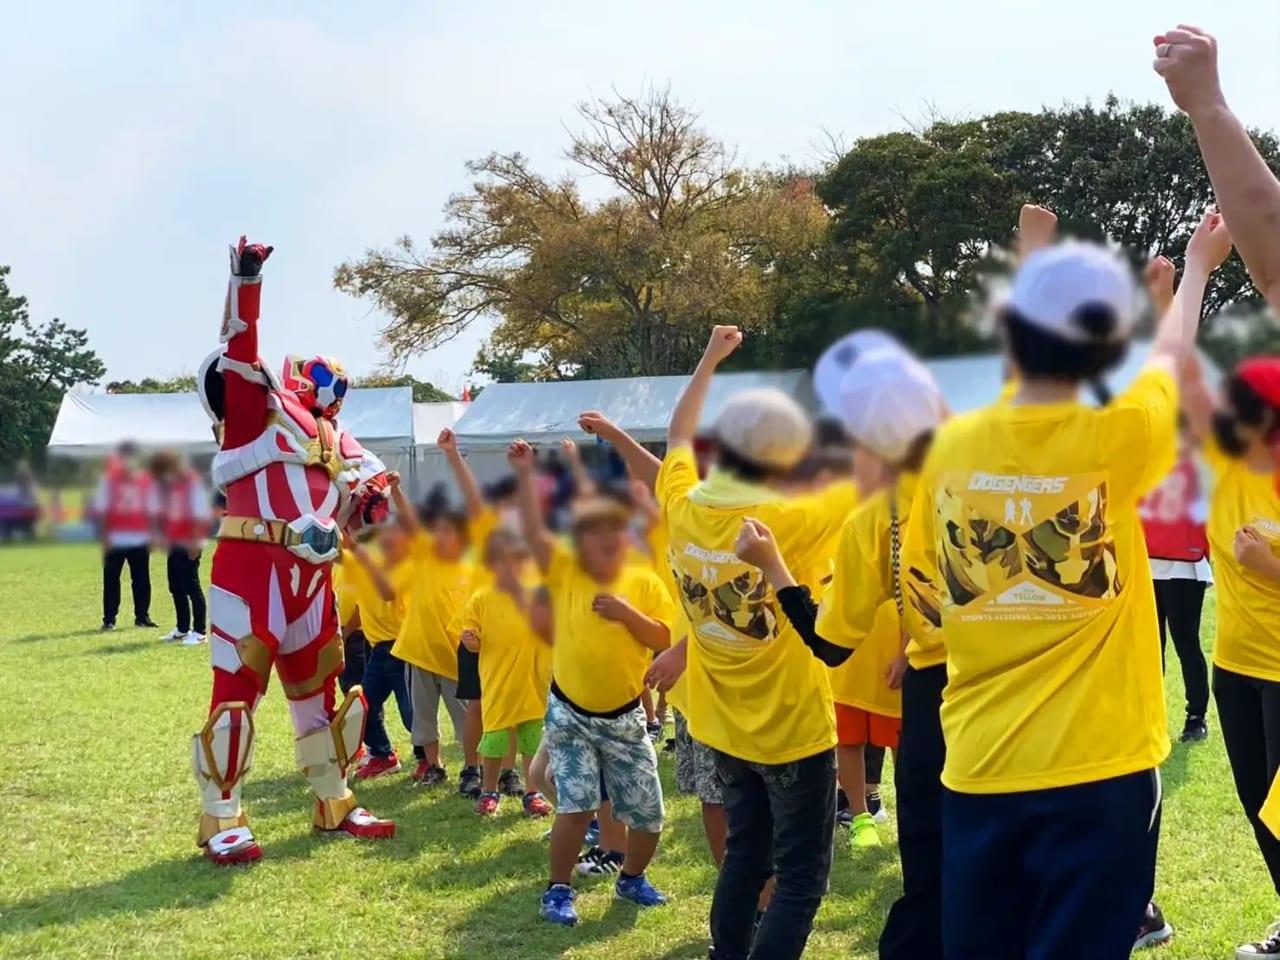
(192, 639)
(172, 635)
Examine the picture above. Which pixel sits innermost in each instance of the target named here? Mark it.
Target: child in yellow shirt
(496, 623)
(609, 617)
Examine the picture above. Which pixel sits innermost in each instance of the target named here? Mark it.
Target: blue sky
(141, 137)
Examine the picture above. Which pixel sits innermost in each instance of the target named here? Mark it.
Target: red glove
(247, 258)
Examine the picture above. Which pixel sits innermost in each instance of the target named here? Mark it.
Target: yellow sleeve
(1144, 420)
(471, 614)
(918, 574)
(561, 566)
(847, 613)
(677, 475)
(654, 599)
(479, 527)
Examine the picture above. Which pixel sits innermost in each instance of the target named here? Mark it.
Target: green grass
(97, 858)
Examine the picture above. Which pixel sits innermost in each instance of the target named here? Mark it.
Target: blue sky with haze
(141, 137)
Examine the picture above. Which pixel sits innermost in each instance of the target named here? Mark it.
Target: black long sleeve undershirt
(800, 609)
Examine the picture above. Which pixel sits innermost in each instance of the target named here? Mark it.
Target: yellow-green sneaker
(863, 832)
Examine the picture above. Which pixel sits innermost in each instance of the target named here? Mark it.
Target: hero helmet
(320, 384)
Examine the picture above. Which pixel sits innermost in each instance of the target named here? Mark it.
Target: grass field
(98, 857)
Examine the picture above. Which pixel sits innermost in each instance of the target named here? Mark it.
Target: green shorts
(496, 744)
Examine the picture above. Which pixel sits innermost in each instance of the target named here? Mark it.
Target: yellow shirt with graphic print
(752, 688)
(1026, 519)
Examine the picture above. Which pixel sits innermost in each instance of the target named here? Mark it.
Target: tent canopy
(544, 412)
(430, 418)
(91, 426)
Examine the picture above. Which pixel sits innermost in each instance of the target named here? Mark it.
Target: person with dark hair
(757, 694)
(1026, 525)
(122, 512)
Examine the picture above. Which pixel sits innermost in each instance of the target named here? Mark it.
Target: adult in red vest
(1173, 519)
(122, 511)
(182, 509)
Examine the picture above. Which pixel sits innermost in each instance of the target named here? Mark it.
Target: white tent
(91, 426)
(546, 412)
(430, 466)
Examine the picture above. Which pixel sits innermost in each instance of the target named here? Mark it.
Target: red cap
(1262, 374)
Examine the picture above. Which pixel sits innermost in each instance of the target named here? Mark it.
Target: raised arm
(520, 456)
(1247, 192)
(688, 412)
(471, 496)
(406, 515)
(640, 463)
(583, 485)
(1037, 229)
(369, 569)
(245, 382)
(1176, 334)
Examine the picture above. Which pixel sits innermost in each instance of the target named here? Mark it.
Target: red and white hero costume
(293, 481)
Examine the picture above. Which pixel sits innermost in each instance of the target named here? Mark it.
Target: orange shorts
(855, 727)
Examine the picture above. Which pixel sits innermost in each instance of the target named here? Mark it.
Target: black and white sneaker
(1269, 947)
(469, 783)
(1194, 731)
(599, 863)
(1154, 930)
(875, 806)
(510, 784)
(108, 625)
(146, 622)
(654, 730)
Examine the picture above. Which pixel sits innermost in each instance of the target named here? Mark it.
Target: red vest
(1172, 533)
(181, 523)
(128, 502)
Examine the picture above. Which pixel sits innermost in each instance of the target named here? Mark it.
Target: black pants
(781, 823)
(355, 652)
(1249, 712)
(1049, 874)
(873, 762)
(913, 930)
(184, 587)
(1178, 606)
(139, 561)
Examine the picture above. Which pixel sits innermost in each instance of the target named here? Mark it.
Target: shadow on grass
(65, 635)
(1176, 770)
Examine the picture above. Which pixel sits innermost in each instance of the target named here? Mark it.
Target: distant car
(19, 514)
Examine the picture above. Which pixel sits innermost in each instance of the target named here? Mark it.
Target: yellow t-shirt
(597, 663)
(510, 654)
(678, 695)
(754, 690)
(859, 610)
(344, 595)
(379, 619)
(1048, 611)
(429, 638)
(1248, 631)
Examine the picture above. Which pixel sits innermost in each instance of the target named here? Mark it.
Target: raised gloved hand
(247, 258)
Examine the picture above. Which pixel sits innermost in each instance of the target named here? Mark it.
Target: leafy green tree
(38, 364)
(423, 392)
(181, 383)
(682, 238)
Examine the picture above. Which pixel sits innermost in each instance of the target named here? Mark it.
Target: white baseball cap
(829, 371)
(764, 426)
(1054, 284)
(888, 399)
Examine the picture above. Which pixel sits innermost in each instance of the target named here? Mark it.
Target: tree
(38, 364)
(423, 392)
(180, 383)
(682, 239)
(504, 366)
(920, 217)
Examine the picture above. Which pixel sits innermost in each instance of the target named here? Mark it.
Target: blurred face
(393, 544)
(507, 564)
(869, 470)
(602, 547)
(450, 541)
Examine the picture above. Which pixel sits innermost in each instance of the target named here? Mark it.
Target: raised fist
(1187, 59)
(520, 456)
(724, 340)
(447, 441)
(247, 258)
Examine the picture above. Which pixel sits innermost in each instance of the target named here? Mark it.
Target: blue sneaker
(557, 905)
(639, 891)
(593, 834)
